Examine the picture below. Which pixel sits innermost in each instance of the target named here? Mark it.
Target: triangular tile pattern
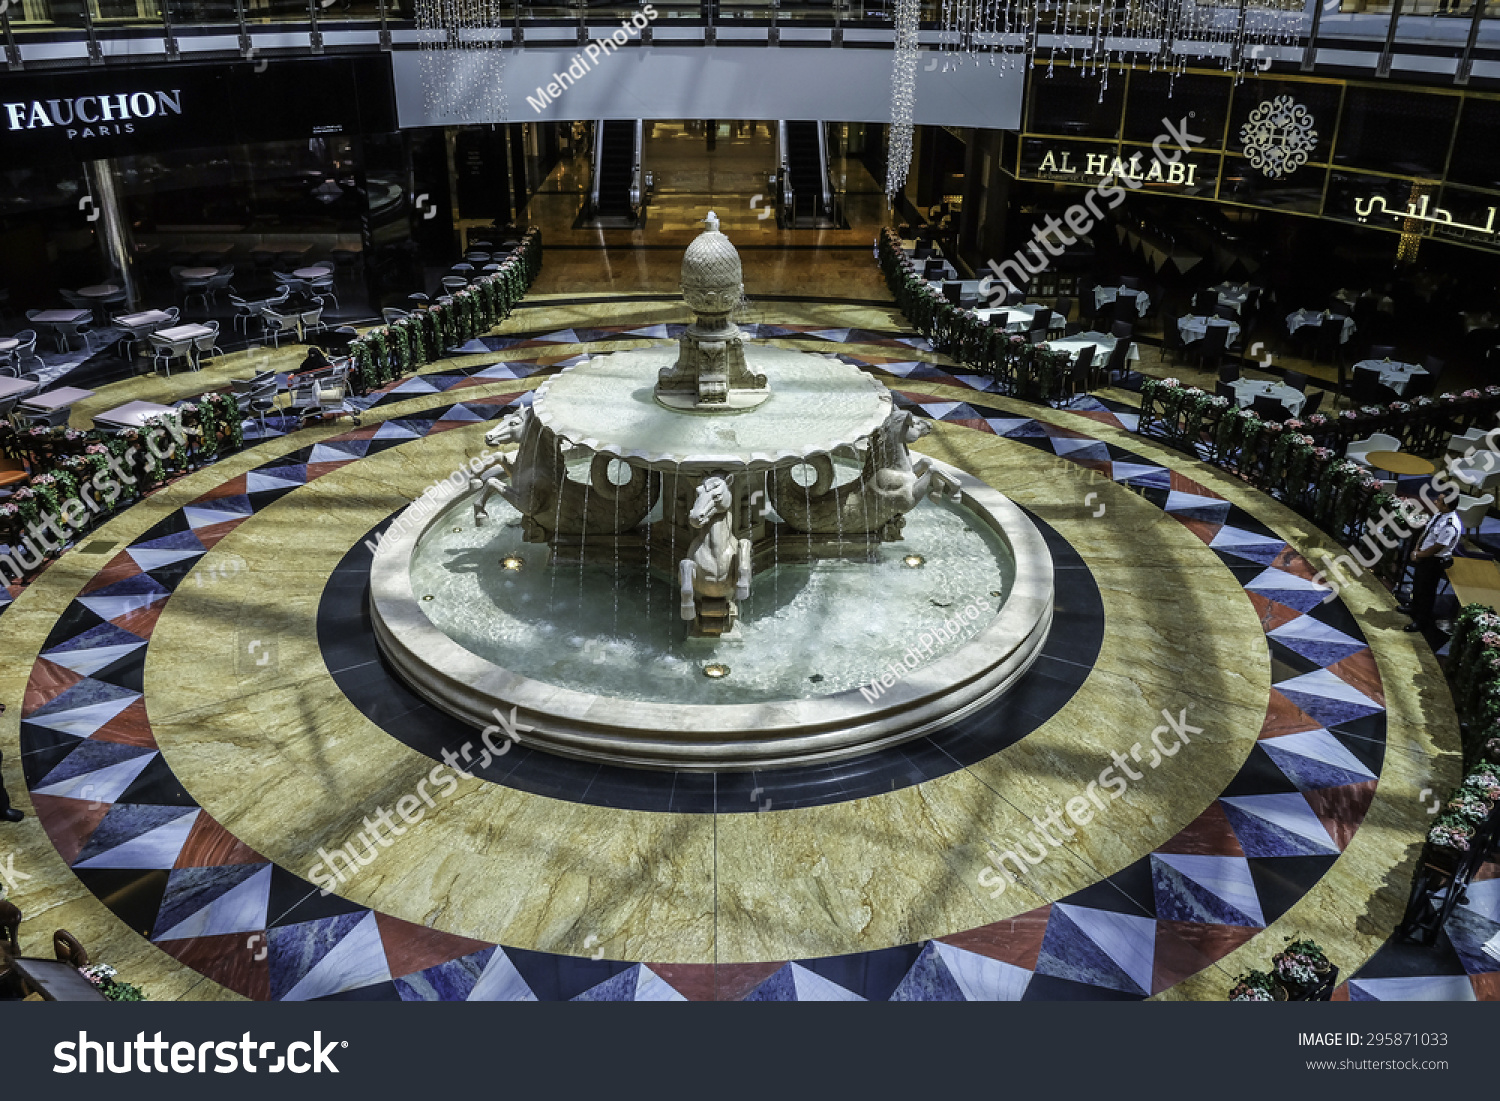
(1172, 913)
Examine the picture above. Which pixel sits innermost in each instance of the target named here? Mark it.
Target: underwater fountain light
(913, 561)
(513, 562)
(715, 670)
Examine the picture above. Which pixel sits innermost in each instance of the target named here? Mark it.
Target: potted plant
(1302, 965)
(103, 975)
(1257, 986)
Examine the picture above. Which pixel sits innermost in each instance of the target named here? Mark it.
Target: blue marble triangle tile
(123, 823)
(1178, 898)
(620, 988)
(780, 987)
(191, 889)
(1068, 953)
(452, 981)
(85, 693)
(296, 949)
(91, 756)
(928, 980)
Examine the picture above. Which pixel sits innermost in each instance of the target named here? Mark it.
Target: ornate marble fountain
(770, 489)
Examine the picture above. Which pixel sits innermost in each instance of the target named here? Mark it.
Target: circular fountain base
(800, 724)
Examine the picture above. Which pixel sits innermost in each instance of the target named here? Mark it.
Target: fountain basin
(801, 725)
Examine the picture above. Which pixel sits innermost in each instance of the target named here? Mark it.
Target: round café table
(196, 273)
(99, 290)
(1400, 463)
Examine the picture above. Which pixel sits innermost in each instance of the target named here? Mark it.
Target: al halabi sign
(1105, 165)
(92, 116)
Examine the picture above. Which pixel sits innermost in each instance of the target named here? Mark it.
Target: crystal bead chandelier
(903, 94)
(463, 58)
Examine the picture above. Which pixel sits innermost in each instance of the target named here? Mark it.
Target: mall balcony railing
(1444, 36)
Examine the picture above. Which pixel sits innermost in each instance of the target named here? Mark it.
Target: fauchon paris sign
(95, 114)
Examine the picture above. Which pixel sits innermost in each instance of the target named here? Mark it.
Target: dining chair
(206, 345)
(50, 418)
(1229, 372)
(1296, 380)
(1268, 407)
(25, 349)
(392, 315)
(1122, 330)
(277, 324)
(1313, 403)
(167, 350)
(322, 290)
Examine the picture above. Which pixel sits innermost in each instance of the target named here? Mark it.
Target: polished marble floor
(203, 723)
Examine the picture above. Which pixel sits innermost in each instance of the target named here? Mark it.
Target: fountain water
(803, 669)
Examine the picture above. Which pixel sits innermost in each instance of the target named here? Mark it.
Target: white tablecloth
(1295, 321)
(1233, 295)
(1018, 318)
(1247, 390)
(1103, 343)
(1194, 327)
(1395, 375)
(1103, 296)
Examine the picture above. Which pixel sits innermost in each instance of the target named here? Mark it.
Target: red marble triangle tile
(731, 981)
(1183, 484)
(447, 426)
(1017, 941)
(130, 727)
(1486, 986)
(1203, 529)
(1289, 561)
(1272, 613)
(119, 568)
(977, 423)
(1285, 717)
(1341, 809)
(1340, 993)
(1103, 416)
(48, 681)
(210, 845)
(210, 534)
(1488, 870)
(1184, 948)
(229, 959)
(1360, 672)
(69, 822)
(1057, 432)
(695, 981)
(235, 487)
(472, 380)
(142, 621)
(1103, 466)
(1210, 834)
(410, 948)
(317, 470)
(364, 432)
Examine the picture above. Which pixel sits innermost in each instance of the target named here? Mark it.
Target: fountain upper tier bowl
(817, 405)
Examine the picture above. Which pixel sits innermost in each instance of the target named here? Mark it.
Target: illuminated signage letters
(1105, 166)
(93, 116)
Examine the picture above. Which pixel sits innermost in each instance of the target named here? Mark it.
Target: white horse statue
(717, 564)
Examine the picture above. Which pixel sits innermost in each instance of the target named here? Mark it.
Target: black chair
(1073, 328)
(1135, 283)
(1381, 351)
(1063, 307)
(1172, 344)
(1122, 330)
(934, 269)
(1125, 307)
(1205, 303)
(1313, 403)
(1212, 346)
(953, 292)
(1080, 371)
(1296, 380)
(1269, 408)
(1226, 391)
(1040, 320)
(1229, 372)
(1329, 340)
(1434, 366)
(1227, 313)
(1119, 364)
(1365, 387)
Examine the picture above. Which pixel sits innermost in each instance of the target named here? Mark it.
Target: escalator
(616, 194)
(807, 200)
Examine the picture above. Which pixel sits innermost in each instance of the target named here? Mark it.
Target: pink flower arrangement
(1317, 420)
(1472, 394)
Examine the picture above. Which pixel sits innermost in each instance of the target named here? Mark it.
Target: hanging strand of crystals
(463, 59)
(903, 94)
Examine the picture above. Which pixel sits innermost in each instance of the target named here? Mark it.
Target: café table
(1103, 343)
(313, 272)
(58, 321)
(57, 981)
(1103, 296)
(184, 332)
(1233, 295)
(1247, 390)
(1298, 318)
(1399, 464)
(1016, 319)
(133, 414)
(1475, 581)
(10, 388)
(1195, 327)
(99, 291)
(1393, 374)
(57, 399)
(198, 273)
